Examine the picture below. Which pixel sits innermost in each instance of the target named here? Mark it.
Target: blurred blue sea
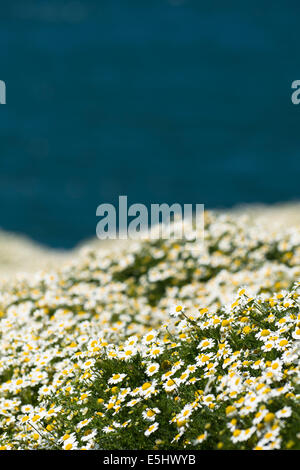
(164, 101)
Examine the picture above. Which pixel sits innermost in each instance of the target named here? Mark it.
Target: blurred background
(160, 100)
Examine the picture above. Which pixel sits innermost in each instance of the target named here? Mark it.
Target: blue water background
(162, 101)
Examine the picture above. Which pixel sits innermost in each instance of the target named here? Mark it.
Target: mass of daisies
(157, 346)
